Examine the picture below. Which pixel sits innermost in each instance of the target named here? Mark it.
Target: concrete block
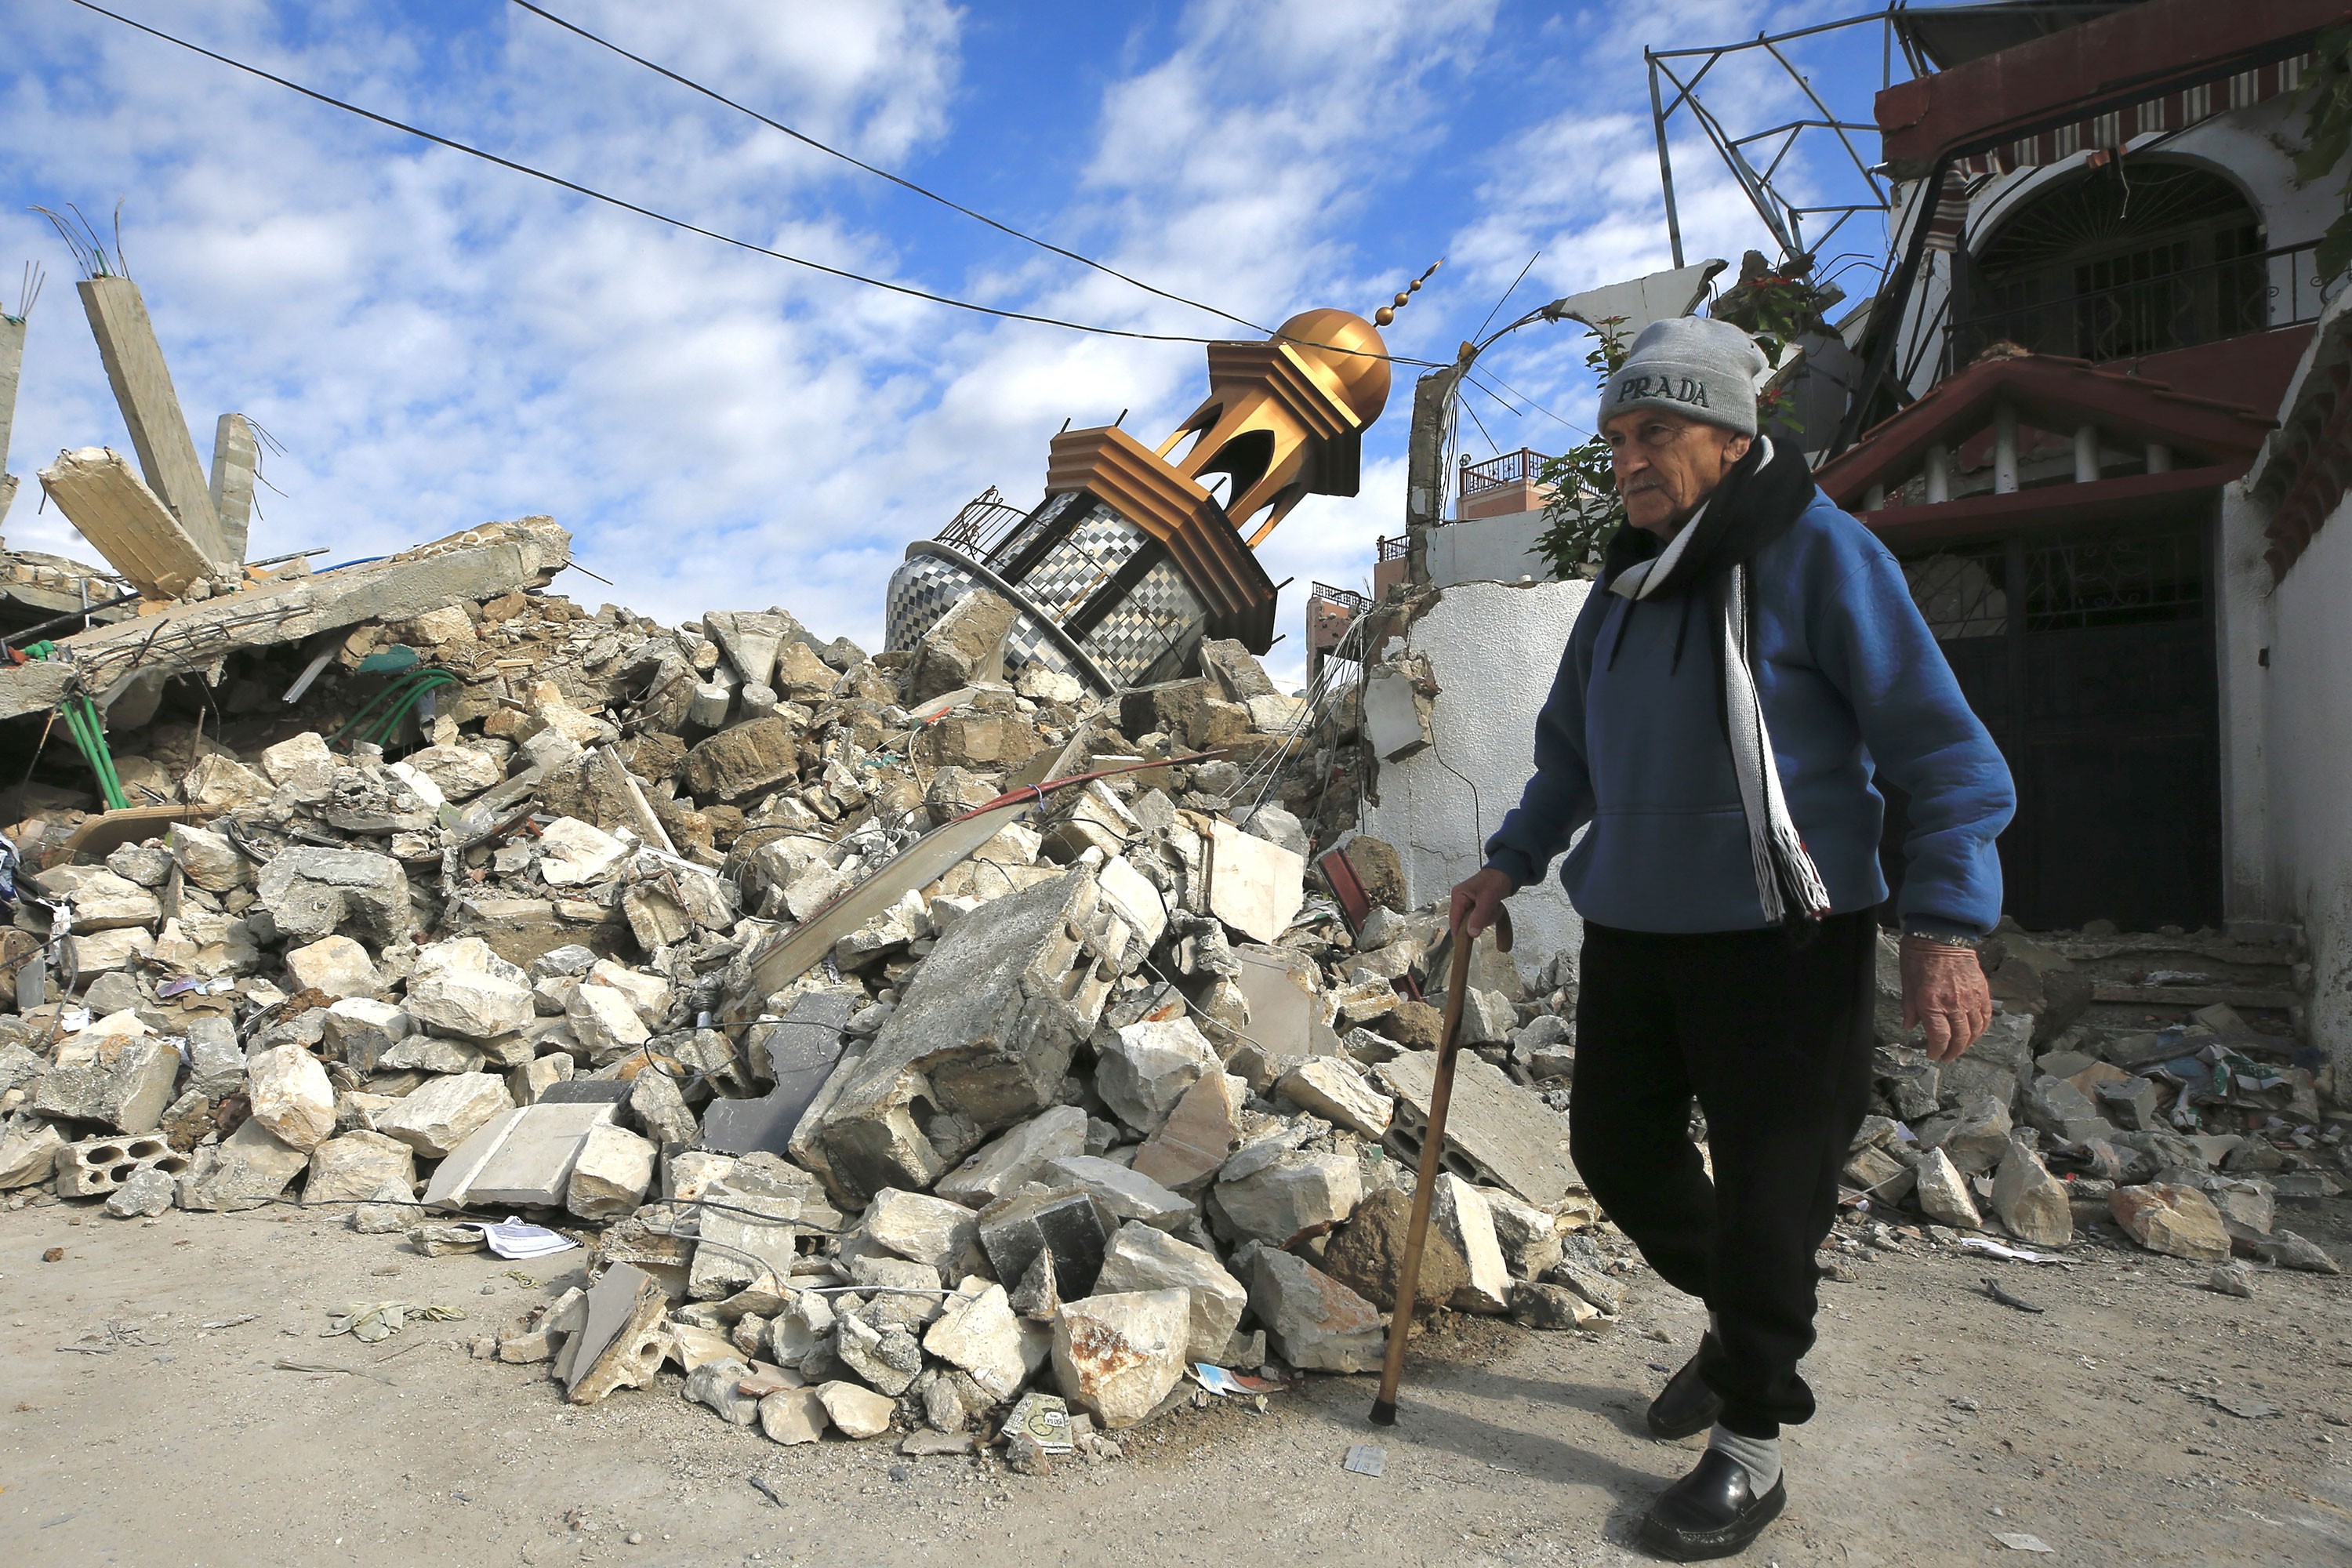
(1143, 1070)
(750, 1231)
(1203, 1128)
(1118, 1356)
(932, 1231)
(610, 1175)
(96, 1166)
(1496, 1132)
(1142, 1259)
(308, 893)
(28, 1153)
(1254, 887)
(1313, 1321)
(236, 460)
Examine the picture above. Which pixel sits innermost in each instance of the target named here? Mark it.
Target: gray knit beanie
(1691, 365)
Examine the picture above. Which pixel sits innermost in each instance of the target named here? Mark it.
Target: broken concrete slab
(244, 1170)
(442, 1114)
(524, 1157)
(2032, 1201)
(292, 1096)
(307, 893)
(979, 1334)
(981, 1039)
(611, 1173)
(1494, 1132)
(126, 521)
(142, 380)
(1118, 1356)
(857, 1411)
(965, 647)
(1297, 1195)
(623, 1340)
(1127, 1194)
(1459, 1212)
(1942, 1192)
(1333, 1089)
(1254, 887)
(493, 558)
(2172, 1218)
(749, 1224)
(351, 1168)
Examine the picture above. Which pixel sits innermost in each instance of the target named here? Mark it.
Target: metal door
(2102, 696)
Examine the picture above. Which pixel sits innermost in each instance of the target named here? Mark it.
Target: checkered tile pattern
(1081, 562)
(1159, 621)
(922, 589)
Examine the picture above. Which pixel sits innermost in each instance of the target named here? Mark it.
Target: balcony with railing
(1501, 485)
(2144, 303)
(984, 523)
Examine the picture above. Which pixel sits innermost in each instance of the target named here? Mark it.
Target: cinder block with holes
(96, 1166)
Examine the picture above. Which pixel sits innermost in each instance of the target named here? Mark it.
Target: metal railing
(2177, 307)
(983, 522)
(1395, 549)
(1347, 598)
(1520, 468)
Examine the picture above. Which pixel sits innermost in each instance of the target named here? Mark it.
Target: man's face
(1666, 465)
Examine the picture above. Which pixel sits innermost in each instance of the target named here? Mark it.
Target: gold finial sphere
(1383, 316)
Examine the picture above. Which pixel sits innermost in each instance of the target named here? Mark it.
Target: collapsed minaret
(1130, 560)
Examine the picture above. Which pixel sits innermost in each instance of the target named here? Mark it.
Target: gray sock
(1760, 1456)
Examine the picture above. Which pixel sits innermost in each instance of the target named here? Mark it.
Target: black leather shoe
(1687, 1404)
(1711, 1512)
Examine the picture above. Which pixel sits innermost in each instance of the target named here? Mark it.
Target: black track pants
(1772, 1032)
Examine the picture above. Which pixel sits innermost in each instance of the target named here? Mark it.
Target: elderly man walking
(1749, 662)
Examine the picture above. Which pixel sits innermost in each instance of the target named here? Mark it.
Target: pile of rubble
(911, 1047)
(888, 1078)
(2182, 1127)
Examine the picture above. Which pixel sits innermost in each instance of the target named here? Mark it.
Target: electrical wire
(900, 180)
(574, 186)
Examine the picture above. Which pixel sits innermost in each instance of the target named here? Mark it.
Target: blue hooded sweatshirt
(1631, 741)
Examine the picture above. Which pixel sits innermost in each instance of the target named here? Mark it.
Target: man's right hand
(1477, 900)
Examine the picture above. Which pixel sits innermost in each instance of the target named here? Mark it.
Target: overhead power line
(855, 162)
(625, 205)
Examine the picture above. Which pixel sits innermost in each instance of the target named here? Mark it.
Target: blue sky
(435, 342)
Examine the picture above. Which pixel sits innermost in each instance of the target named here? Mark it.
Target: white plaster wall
(1486, 550)
(1493, 648)
(2308, 752)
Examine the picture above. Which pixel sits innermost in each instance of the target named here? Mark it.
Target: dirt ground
(1947, 1418)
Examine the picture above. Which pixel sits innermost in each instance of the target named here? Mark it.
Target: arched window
(2135, 257)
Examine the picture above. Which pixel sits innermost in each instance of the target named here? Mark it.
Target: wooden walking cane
(1433, 1154)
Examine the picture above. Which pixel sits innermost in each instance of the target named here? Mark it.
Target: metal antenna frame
(1783, 218)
